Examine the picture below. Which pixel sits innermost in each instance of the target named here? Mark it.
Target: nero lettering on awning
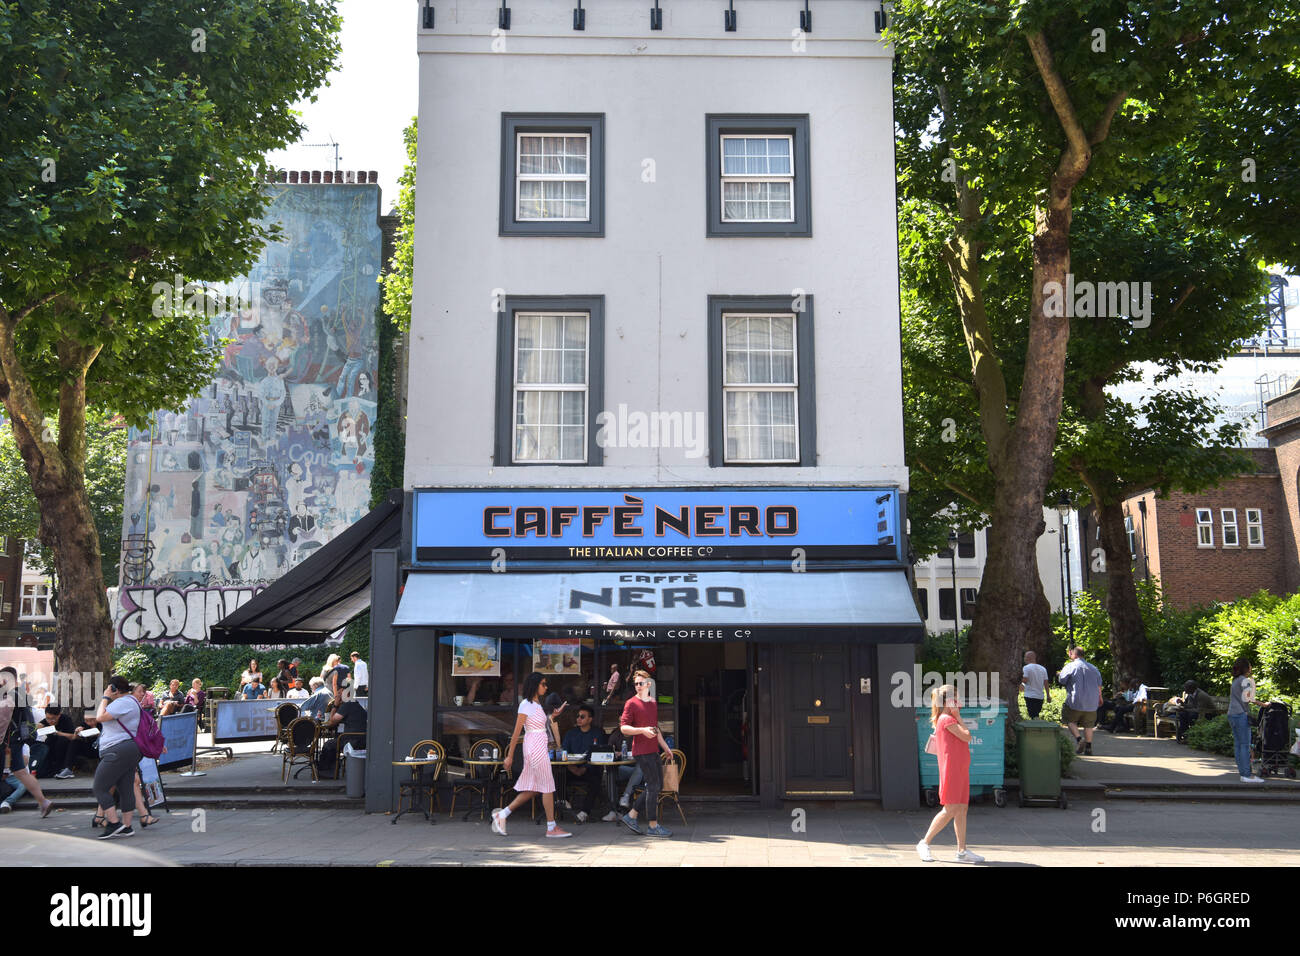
(646, 526)
(645, 605)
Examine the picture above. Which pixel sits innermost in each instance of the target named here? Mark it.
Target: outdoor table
(491, 784)
(420, 791)
(611, 780)
(562, 782)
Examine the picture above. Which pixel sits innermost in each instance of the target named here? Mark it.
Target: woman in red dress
(953, 740)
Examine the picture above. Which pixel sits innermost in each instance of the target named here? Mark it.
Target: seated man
(173, 700)
(318, 703)
(353, 718)
(298, 692)
(253, 690)
(1131, 697)
(1196, 703)
(1107, 706)
(59, 743)
(583, 739)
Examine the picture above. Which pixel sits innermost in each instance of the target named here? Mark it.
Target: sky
(371, 97)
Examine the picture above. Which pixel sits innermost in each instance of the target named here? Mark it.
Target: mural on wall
(273, 459)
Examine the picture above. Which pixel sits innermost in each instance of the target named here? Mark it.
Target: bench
(1171, 720)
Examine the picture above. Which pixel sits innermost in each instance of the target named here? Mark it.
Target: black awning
(320, 595)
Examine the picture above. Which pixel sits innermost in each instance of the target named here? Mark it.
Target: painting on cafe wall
(273, 458)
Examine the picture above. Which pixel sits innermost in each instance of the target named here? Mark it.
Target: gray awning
(320, 595)
(875, 606)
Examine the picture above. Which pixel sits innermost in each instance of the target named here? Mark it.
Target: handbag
(932, 745)
(672, 779)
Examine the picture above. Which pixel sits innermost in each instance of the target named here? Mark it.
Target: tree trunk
(1129, 649)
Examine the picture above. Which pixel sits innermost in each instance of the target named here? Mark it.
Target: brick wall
(1284, 435)
(1191, 575)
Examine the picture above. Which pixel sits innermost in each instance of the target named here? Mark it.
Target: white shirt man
(360, 676)
(298, 692)
(1034, 684)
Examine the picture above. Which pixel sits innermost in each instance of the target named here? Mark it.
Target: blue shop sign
(654, 525)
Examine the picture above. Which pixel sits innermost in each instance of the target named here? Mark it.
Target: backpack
(148, 737)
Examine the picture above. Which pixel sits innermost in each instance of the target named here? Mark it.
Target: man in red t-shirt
(640, 724)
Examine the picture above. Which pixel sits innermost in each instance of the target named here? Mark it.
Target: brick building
(1219, 544)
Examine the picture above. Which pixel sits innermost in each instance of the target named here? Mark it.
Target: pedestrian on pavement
(1033, 681)
(119, 756)
(1082, 683)
(640, 721)
(1242, 696)
(360, 676)
(952, 738)
(536, 777)
(15, 726)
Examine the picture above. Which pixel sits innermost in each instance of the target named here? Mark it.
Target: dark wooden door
(818, 720)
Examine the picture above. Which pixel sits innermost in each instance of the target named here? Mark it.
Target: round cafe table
(420, 790)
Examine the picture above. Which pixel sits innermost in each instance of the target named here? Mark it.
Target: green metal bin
(1039, 759)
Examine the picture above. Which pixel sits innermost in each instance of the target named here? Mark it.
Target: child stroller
(1273, 740)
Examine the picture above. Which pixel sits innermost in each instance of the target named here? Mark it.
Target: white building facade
(654, 341)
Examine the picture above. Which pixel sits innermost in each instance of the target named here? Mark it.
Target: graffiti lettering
(162, 613)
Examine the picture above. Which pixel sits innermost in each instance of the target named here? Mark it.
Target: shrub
(1213, 734)
(939, 652)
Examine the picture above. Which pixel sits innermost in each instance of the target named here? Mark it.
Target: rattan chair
(477, 780)
(679, 758)
(425, 748)
(300, 742)
(285, 714)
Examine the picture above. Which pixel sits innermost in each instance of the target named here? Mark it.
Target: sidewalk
(1148, 833)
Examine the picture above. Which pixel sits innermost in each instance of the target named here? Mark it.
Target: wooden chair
(477, 780)
(426, 748)
(285, 714)
(300, 742)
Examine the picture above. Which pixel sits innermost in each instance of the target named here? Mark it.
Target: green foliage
(1213, 734)
(217, 666)
(105, 479)
(939, 652)
(390, 439)
(400, 274)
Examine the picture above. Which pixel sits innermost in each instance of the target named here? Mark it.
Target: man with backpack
(16, 729)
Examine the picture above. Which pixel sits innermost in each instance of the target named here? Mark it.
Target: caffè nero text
(630, 520)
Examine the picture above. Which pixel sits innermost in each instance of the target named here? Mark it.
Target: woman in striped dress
(536, 777)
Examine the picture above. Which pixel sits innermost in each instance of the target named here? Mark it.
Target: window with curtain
(553, 177)
(550, 387)
(760, 388)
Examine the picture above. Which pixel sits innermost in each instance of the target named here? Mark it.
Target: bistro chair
(358, 741)
(679, 758)
(423, 778)
(285, 714)
(477, 780)
(300, 741)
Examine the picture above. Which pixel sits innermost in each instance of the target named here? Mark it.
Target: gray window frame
(807, 388)
(594, 306)
(716, 125)
(593, 124)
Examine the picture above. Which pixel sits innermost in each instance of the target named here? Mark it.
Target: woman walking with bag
(119, 756)
(536, 776)
(952, 743)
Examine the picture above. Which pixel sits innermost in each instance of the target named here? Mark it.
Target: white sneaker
(610, 817)
(923, 851)
(966, 856)
(1252, 779)
(498, 824)
(582, 816)
(64, 774)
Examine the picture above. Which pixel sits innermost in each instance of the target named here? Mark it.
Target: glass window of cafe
(479, 681)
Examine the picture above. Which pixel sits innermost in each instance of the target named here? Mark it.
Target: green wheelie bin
(1039, 758)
